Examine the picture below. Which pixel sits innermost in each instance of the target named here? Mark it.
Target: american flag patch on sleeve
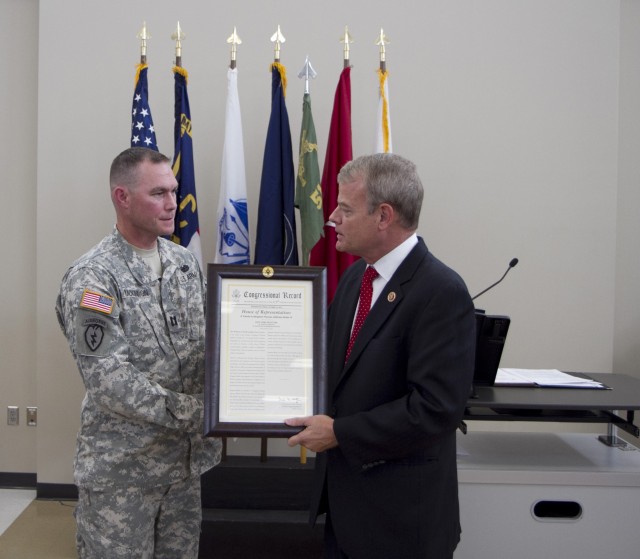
(96, 302)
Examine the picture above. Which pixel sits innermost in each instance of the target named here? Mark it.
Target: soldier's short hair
(125, 166)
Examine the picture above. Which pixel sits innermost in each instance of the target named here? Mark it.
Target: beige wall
(522, 116)
(18, 294)
(626, 334)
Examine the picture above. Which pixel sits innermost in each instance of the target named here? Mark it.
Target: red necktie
(366, 291)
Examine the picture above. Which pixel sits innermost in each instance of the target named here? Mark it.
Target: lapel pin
(391, 297)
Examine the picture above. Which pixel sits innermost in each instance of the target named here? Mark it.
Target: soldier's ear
(121, 196)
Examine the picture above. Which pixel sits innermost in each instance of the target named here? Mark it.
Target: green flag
(308, 189)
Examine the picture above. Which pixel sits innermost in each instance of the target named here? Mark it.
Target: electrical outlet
(13, 415)
(32, 416)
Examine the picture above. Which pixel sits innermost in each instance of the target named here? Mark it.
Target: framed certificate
(265, 353)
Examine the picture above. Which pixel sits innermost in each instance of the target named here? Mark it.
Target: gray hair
(390, 179)
(124, 168)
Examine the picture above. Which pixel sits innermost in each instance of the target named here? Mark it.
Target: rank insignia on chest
(96, 302)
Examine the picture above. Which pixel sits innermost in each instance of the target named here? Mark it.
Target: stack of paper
(550, 378)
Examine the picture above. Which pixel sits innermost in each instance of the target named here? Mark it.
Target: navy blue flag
(143, 133)
(187, 230)
(276, 231)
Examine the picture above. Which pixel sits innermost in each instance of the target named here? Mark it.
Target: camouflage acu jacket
(138, 342)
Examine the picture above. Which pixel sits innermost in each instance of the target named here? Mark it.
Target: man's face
(356, 229)
(152, 203)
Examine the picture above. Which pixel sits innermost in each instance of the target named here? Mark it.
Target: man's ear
(120, 196)
(387, 216)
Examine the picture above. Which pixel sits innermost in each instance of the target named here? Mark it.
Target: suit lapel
(390, 297)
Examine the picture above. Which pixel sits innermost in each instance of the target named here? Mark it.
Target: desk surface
(624, 395)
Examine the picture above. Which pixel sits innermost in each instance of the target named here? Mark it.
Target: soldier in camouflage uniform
(132, 309)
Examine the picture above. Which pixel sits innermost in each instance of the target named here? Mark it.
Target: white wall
(520, 116)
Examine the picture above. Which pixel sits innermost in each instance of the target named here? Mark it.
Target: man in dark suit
(386, 465)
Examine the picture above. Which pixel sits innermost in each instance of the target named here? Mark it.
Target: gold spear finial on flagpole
(346, 40)
(234, 41)
(381, 42)
(144, 37)
(278, 39)
(178, 36)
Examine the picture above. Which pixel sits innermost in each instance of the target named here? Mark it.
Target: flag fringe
(283, 76)
(382, 77)
(139, 69)
(180, 70)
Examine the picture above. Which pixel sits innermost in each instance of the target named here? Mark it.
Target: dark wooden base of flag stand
(254, 508)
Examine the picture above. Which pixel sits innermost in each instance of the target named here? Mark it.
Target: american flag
(96, 301)
(142, 131)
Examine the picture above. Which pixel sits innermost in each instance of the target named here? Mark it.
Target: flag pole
(381, 42)
(278, 39)
(143, 36)
(234, 41)
(307, 73)
(178, 36)
(383, 140)
(346, 40)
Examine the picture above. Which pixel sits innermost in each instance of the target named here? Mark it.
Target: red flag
(339, 152)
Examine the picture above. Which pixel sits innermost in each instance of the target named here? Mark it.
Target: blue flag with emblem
(276, 231)
(143, 133)
(187, 230)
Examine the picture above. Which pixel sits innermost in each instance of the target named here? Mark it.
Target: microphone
(512, 264)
